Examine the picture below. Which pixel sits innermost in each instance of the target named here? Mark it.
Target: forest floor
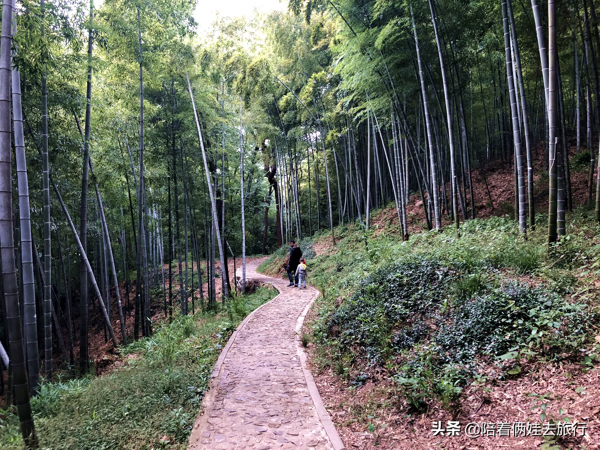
(533, 388)
(494, 192)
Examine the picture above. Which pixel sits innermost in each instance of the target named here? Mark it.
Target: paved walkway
(262, 396)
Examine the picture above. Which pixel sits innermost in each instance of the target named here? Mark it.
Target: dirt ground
(369, 417)
(500, 184)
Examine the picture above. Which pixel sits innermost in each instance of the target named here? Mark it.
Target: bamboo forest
(313, 224)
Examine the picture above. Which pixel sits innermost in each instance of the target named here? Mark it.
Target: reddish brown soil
(569, 392)
(501, 184)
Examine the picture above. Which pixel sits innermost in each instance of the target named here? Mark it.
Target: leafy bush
(47, 401)
(437, 311)
(399, 294)
(580, 162)
(515, 315)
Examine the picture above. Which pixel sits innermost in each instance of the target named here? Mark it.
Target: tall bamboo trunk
(47, 290)
(83, 273)
(7, 250)
(86, 263)
(170, 255)
(161, 255)
(552, 81)
(453, 181)
(525, 116)
(223, 192)
(515, 122)
(178, 234)
(243, 282)
(368, 193)
(68, 296)
(110, 261)
(598, 185)
(27, 276)
(142, 261)
(432, 162)
(210, 190)
(328, 185)
(185, 306)
(577, 93)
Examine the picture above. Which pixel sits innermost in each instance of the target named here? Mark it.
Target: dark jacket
(295, 255)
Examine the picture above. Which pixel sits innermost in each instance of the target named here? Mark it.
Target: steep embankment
(494, 192)
(485, 328)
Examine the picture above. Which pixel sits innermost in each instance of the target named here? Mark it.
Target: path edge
(211, 389)
(324, 417)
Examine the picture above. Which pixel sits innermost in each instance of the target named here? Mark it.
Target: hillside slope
(478, 329)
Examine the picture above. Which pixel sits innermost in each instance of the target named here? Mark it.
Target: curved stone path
(261, 394)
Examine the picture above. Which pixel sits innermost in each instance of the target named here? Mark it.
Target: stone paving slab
(259, 396)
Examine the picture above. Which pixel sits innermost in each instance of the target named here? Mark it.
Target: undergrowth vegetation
(150, 402)
(437, 312)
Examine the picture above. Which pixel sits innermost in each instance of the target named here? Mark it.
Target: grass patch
(580, 162)
(151, 402)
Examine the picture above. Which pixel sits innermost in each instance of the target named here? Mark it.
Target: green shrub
(443, 307)
(580, 162)
(403, 292)
(515, 315)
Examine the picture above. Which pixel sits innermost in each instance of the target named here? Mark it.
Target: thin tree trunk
(110, 260)
(453, 180)
(433, 184)
(47, 290)
(27, 276)
(210, 191)
(541, 47)
(243, 283)
(41, 281)
(142, 260)
(552, 78)
(178, 236)
(598, 185)
(368, 205)
(68, 296)
(170, 258)
(515, 122)
(86, 263)
(519, 71)
(185, 306)
(223, 192)
(161, 252)
(328, 185)
(266, 222)
(107, 237)
(577, 92)
(83, 273)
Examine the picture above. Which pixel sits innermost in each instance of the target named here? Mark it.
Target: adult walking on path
(292, 265)
(262, 396)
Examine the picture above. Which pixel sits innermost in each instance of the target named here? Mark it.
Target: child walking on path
(301, 274)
